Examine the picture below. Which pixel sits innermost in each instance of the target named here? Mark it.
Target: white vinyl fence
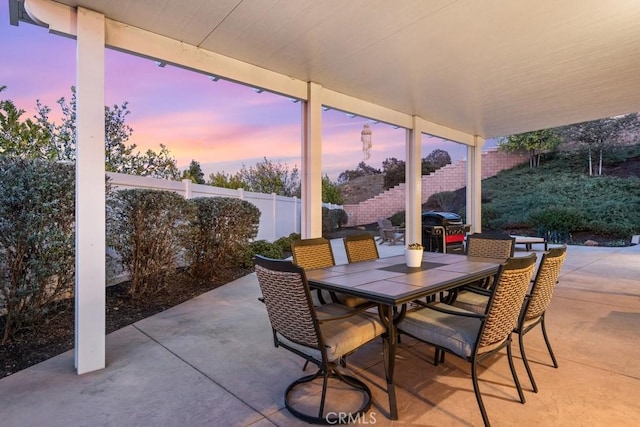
(280, 216)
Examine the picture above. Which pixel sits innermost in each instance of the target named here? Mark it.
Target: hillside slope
(361, 189)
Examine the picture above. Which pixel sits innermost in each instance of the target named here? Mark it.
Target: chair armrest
(477, 290)
(453, 312)
(352, 312)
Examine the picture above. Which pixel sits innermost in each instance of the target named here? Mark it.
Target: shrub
(219, 235)
(491, 218)
(338, 218)
(37, 239)
(444, 200)
(557, 222)
(284, 243)
(326, 223)
(145, 228)
(612, 227)
(264, 248)
(463, 214)
(398, 219)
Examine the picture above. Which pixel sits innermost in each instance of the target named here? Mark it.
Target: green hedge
(264, 248)
(147, 229)
(219, 236)
(37, 239)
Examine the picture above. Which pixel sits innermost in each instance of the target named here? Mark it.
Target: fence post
(296, 218)
(274, 215)
(187, 188)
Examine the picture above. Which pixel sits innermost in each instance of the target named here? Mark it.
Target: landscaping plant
(37, 240)
(219, 235)
(146, 228)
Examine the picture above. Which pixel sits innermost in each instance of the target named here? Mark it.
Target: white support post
(413, 176)
(474, 185)
(311, 221)
(90, 296)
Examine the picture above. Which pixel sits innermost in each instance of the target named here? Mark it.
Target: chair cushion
(455, 333)
(530, 322)
(342, 336)
(351, 301)
(332, 309)
(471, 301)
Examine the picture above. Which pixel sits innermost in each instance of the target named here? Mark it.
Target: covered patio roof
(463, 70)
(487, 68)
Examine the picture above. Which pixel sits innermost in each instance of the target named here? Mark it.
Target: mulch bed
(31, 346)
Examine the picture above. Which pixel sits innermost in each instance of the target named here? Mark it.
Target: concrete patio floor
(211, 362)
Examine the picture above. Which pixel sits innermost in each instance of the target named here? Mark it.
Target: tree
(44, 139)
(434, 161)
(394, 172)
(268, 177)
(361, 170)
(25, 139)
(438, 158)
(194, 173)
(597, 135)
(156, 165)
(330, 192)
(534, 142)
(224, 180)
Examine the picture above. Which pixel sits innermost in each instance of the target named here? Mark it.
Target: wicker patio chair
(537, 301)
(490, 245)
(311, 254)
(483, 245)
(473, 336)
(319, 339)
(361, 247)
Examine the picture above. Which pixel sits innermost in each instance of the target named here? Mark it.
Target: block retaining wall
(449, 178)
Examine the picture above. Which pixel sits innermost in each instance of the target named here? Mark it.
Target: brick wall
(449, 178)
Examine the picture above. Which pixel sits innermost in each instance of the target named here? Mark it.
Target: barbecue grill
(443, 232)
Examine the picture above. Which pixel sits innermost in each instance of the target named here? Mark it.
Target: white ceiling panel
(484, 67)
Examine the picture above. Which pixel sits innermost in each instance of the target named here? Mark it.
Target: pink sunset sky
(222, 125)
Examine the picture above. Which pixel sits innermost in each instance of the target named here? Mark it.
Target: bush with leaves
(285, 242)
(338, 218)
(326, 224)
(398, 219)
(219, 235)
(261, 247)
(146, 228)
(443, 201)
(330, 191)
(333, 219)
(491, 218)
(557, 221)
(37, 239)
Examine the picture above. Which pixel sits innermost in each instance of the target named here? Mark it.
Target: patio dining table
(389, 283)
